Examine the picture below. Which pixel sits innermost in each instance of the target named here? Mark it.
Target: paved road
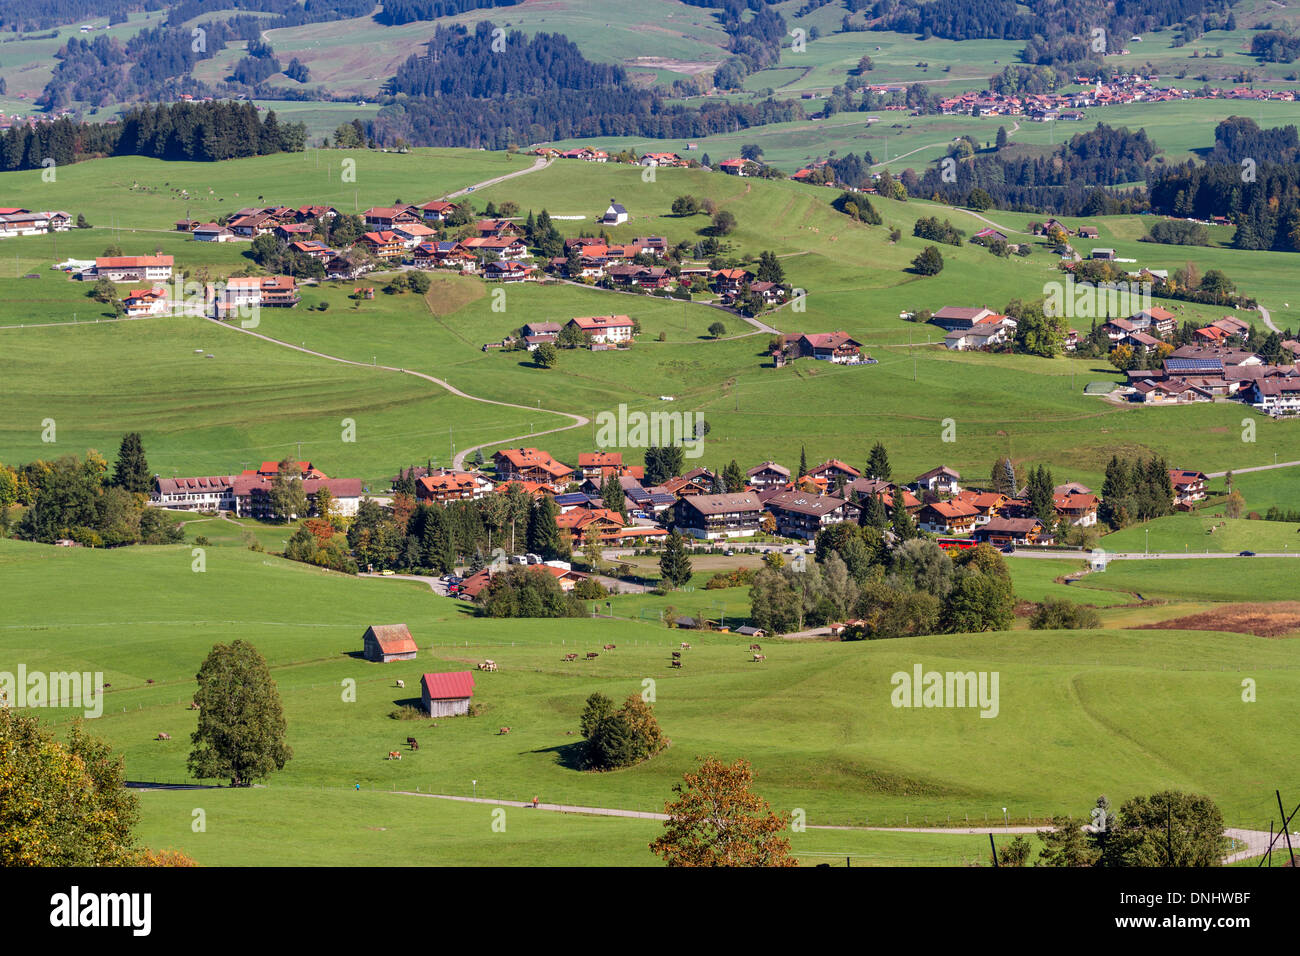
(436, 584)
(541, 163)
(1242, 471)
(1256, 840)
(1268, 319)
(578, 421)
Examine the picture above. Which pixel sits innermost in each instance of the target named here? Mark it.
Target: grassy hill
(1030, 408)
(1101, 711)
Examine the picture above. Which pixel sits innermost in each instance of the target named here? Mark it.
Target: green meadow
(916, 395)
(1100, 711)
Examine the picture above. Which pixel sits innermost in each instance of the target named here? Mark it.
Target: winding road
(540, 163)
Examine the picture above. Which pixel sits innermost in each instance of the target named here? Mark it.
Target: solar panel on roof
(1194, 364)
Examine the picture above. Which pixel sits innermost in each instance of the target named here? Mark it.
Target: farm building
(447, 695)
(388, 642)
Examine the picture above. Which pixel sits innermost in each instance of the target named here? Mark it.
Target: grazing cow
(488, 666)
(411, 742)
(677, 655)
(685, 646)
(193, 705)
(570, 657)
(503, 731)
(759, 657)
(754, 647)
(394, 755)
(401, 683)
(592, 655)
(162, 736)
(149, 680)
(675, 663)
(609, 647)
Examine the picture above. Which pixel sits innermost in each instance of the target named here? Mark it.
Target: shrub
(1060, 614)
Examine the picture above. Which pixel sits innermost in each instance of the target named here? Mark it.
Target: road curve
(458, 462)
(540, 163)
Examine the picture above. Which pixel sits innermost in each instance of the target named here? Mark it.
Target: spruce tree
(878, 464)
(734, 477)
(675, 563)
(874, 514)
(132, 469)
(904, 527)
(543, 535)
(803, 461)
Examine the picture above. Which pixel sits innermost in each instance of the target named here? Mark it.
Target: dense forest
(1062, 181)
(192, 131)
(460, 63)
(396, 12)
(1252, 177)
(564, 114)
(528, 90)
(1055, 32)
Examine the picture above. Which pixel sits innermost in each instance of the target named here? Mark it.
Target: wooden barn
(388, 642)
(447, 695)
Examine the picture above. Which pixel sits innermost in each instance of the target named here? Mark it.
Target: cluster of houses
(247, 494)
(835, 492)
(1118, 91)
(238, 294)
(1216, 366)
(773, 500)
(1202, 373)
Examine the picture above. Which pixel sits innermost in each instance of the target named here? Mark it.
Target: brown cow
(570, 657)
(162, 736)
(759, 657)
(503, 730)
(685, 646)
(412, 743)
(754, 647)
(675, 663)
(609, 647)
(592, 655)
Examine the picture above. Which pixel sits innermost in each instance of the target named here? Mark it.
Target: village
(605, 502)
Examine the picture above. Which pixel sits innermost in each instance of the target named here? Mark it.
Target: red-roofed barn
(447, 695)
(388, 642)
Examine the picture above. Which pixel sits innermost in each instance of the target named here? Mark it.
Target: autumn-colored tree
(61, 804)
(403, 508)
(718, 821)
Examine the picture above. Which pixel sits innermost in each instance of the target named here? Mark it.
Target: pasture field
(252, 402)
(899, 141)
(1200, 579)
(1102, 711)
(1205, 531)
(366, 828)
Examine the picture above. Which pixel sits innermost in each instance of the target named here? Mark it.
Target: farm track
(1256, 840)
(577, 421)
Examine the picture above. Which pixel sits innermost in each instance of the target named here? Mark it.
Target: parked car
(1246, 554)
(1009, 549)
